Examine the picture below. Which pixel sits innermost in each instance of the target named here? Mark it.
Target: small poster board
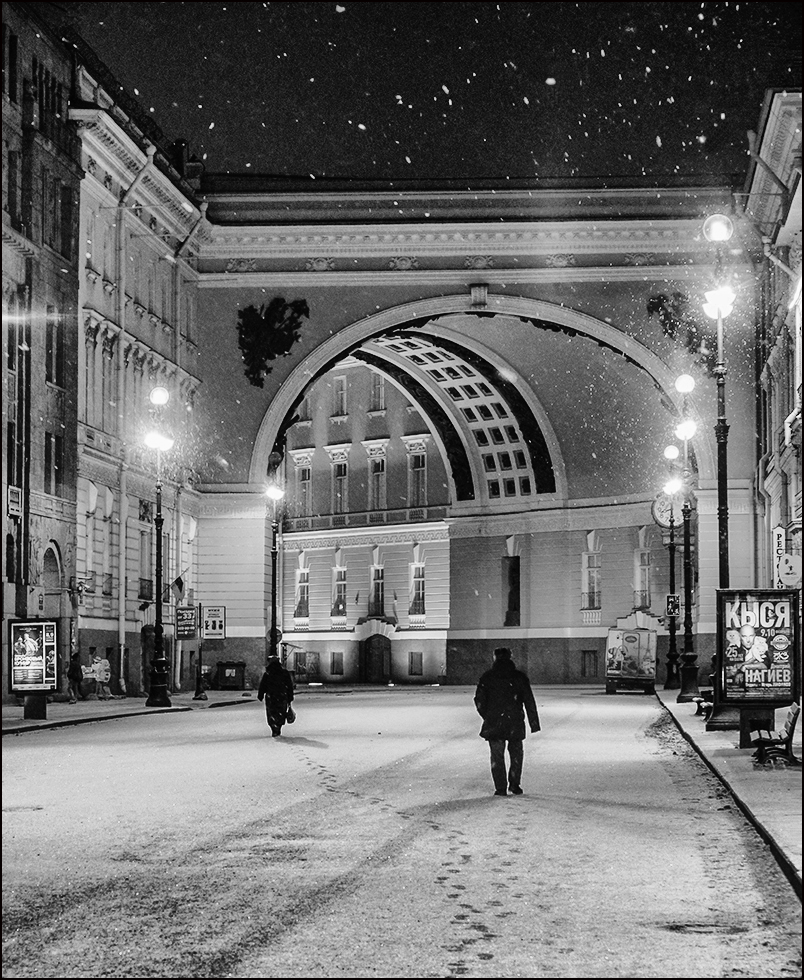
(33, 659)
(186, 622)
(758, 643)
(631, 659)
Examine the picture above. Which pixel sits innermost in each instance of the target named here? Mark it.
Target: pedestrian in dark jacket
(502, 698)
(75, 675)
(276, 687)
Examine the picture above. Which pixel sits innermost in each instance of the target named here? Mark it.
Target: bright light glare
(719, 302)
(672, 487)
(159, 395)
(718, 228)
(274, 492)
(686, 430)
(158, 440)
(685, 383)
(671, 452)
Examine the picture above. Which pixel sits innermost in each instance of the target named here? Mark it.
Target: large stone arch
(657, 371)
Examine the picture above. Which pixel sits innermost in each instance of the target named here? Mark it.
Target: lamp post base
(673, 680)
(158, 696)
(689, 683)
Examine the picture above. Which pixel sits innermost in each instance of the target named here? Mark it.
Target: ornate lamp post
(274, 493)
(689, 667)
(718, 228)
(671, 488)
(158, 696)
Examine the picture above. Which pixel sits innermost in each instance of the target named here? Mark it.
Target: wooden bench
(777, 745)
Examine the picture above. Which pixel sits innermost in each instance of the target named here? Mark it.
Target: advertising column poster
(758, 644)
(32, 650)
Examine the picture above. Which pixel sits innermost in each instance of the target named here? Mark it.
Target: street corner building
(466, 401)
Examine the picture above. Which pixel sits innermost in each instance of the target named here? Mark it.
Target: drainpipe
(120, 247)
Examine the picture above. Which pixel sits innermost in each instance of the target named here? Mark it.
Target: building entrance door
(375, 660)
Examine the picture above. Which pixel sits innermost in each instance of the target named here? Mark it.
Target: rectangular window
(303, 594)
(377, 599)
(106, 584)
(377, 484)
(336, 662)
(304, 491)
(415, 663)
(417, 496)
(377, 403)
(417, 603)
(339, 600)
(146, 590)
(340, 475)
(66, 222)
(11, 188)
(642, 577)
(591, 580)
(339, 396)
(54, 464)
(511, 590)
(54, 348)
(11, 453)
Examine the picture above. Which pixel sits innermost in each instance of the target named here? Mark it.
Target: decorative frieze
(320, 265)
(403, 263)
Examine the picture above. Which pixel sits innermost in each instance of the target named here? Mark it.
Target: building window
(377, 403)
(304, 491)
(417, 602)
(415, 668)
(589, 663)
(336, 662)
(339, 397)
(377, 598)
(417, 491)
(377, 484)
(511, 590)
(54, 348)
(591, 580)
(54, 464)
(303, 594)
(340, 475)
(642, 580)
(146, 590)
(106, 585)
(11, 563)
(339, 598)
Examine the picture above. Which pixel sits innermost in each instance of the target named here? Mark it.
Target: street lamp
(158, 689)
(671, 488)
(685, 430)
(718, 228)
(274, 493)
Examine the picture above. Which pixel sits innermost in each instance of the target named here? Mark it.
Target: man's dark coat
(502, 697)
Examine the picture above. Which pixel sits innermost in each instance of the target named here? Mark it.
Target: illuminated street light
(274, 493)
(158, 696)
(718, 228)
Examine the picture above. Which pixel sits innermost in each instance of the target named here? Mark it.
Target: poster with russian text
(32, 651)
(757, 645)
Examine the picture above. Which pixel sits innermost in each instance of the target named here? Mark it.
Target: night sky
(453, 90)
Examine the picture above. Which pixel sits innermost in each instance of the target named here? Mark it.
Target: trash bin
(231, 674)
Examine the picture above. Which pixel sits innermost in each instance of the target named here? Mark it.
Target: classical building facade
(465, 391)
(41, 181)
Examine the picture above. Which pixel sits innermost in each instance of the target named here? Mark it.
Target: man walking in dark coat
(276, 687)
(502, 697)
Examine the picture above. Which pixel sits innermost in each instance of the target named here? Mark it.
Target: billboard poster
(631, 654)
(33, 653)
(757, 645)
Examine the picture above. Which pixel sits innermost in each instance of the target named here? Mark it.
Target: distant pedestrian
(276, 687)
(502, 698)
(75, 675)
(102, 670)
